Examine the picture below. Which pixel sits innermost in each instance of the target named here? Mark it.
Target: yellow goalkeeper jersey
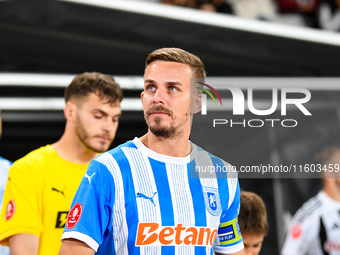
(38, 196)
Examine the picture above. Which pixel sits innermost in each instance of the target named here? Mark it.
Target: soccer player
(42, 184)
(315, 229)
(4, 167)
(253, 222)
(139, 197)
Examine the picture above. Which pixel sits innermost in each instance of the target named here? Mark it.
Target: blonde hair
(179, 56)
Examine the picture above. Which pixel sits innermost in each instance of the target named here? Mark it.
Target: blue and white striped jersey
(133, 200)
(4, 168)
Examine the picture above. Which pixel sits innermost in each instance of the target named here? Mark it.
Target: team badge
(296, 231)
(10, 210)
(74, 216)
(212, 200)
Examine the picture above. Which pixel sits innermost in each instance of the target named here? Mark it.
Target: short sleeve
(300, 234)
(91, 211)
(229, 238)
(21, 201)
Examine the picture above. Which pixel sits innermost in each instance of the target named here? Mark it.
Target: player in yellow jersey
(42, 184)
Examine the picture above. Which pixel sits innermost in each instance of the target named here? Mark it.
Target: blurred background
(259, 44)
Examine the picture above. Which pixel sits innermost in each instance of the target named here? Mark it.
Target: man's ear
(196, 104)
(142, 96)
(70, 111)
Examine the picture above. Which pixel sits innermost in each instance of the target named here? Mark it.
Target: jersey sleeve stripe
(227, 250)
(119, 223)
(307, 209)
(81, 237)
(232, 186)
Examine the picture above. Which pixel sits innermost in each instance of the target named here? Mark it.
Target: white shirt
(315, 229)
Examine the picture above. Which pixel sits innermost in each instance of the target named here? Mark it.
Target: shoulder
(202, 152)
(221, 168)
(309, 209)
(35, 159)
(115, 157)
(37, 154)
(4, 163)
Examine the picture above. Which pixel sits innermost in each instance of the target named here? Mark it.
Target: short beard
(83, 136)
(163, 132)
(157, 129)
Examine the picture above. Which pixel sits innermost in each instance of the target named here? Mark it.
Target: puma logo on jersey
(140, 195)
(59, 191)
(89, 177)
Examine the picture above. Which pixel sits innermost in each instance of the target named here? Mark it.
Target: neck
(70, 148)
(179, 147)
(333, 192)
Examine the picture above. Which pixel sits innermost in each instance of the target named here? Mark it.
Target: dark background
(65, 38)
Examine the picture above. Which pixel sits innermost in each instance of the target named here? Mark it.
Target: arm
(24, 244)
(21, 201)
(90, 214)
(229, 239)
(74, 247)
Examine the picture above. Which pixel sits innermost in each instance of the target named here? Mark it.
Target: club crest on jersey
(296, 231)
(74, 215)
(212, 200)
(10, 210)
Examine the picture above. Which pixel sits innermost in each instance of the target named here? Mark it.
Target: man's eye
(150, 88)
(98, 116)
(173, 89)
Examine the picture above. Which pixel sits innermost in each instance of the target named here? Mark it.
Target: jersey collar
(164, 158)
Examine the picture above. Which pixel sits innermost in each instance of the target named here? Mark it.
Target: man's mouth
(158, 110)
(158, 113)
(104, 138)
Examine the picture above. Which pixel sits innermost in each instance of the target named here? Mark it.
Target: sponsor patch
(296, 231)
(212, 200)
(61, 219)
(229, 232)
(152, 234)
(74, 215)
(332, 246)
(226, 233)
(10, 210)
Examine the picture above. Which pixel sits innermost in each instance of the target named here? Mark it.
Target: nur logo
(204, 97)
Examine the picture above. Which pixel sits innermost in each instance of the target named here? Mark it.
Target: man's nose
(109, 125)
(159, 96)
